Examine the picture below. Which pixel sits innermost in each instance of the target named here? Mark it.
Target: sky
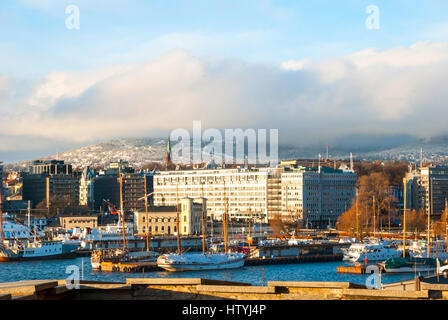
(312, 69)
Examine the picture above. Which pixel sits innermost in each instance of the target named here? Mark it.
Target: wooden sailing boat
(124, 255)
(204, 261)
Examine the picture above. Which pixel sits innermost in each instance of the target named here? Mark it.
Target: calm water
(326, 271)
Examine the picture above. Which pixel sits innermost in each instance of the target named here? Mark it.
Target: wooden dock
(138, 267)
(358, 269)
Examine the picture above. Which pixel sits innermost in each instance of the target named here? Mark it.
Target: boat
(13, 230)
(122, 232)
(37, 250)
(202, 261)
(119, 255)
(409, 265)
(20, 243)
(419, 249)
(199, 261)
(370, 251)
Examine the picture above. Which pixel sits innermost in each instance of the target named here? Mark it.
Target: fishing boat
(202, 261)
(409, 265)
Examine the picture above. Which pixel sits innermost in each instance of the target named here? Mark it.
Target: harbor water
(62, 269)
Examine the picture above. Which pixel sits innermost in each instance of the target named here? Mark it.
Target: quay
(134, 267)
(430, 288)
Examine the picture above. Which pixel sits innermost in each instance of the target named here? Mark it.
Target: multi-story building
(70, 222)
(52, 182)
(50, 167)
(427, 189)
(248, 193)
(107, 187)
(317, 196)
(163, 219)
(52, 189)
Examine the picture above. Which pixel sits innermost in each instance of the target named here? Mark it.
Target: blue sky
(145, 67)
(34, 39)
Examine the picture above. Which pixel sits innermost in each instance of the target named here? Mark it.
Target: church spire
(168, 152)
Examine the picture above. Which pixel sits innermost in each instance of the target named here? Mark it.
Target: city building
(106, 188)
(246, 191)
(86, 194)
(163, 219)
(317, 196)
(51, 183)
(50, 167)
(70, 222)
(427, 189)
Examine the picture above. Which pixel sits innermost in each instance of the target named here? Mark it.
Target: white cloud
(400, 90)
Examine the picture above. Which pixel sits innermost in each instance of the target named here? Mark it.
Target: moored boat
(199, 261)
(38, 250)
(203, 261)
(409, 265)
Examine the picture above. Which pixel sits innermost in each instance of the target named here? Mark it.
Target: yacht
(371, 251)
(438, 250)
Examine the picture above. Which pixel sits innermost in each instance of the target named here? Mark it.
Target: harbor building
(163, 219)
(317, 196)
(247, 192)
(82, 222)
(427, 189)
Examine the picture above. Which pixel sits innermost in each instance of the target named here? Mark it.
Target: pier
(430, 288)
(133, 267)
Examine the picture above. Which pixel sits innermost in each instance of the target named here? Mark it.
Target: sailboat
(202, 261)
(411, 262)
(123, 255)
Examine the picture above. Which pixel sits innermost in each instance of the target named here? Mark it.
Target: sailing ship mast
(446, 224)
(357, 218)
(147, 217)
(224, 219)
(121, 207)
(428, 251)
(203, 218)
(404, 217)
(374, 221)
(249, 238)
(178, 220)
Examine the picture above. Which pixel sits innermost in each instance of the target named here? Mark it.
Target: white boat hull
(205, 266)
(410, 270)
(194, 262)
